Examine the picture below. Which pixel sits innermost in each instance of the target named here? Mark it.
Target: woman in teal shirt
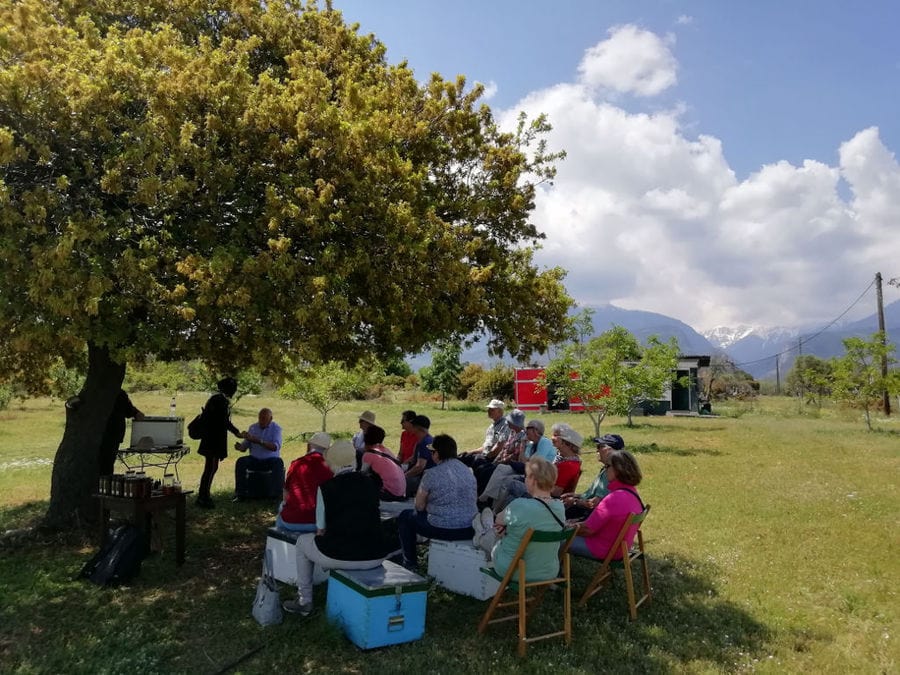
(538, 511)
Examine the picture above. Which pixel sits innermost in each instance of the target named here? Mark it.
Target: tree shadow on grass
(196, 618)
(654, 448)
(668, 428)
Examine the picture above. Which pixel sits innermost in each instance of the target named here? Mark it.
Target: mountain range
(753, 349)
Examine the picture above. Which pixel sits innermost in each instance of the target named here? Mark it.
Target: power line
(801, 340)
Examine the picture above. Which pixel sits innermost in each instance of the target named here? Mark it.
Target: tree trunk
(442, 400)
(76, 466)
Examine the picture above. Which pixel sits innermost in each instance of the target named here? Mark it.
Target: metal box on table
(157, 432)
(378, 607)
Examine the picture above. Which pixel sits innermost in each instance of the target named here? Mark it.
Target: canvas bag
(267, 603)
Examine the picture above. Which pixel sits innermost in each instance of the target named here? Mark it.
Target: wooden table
(141, 512)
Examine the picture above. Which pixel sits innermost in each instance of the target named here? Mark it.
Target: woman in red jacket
(304, 476)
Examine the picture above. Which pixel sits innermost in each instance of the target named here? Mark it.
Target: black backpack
(119, 560)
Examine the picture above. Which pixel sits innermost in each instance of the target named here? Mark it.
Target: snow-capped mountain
(725, 336)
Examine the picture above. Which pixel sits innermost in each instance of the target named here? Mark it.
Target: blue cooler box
(378, 607)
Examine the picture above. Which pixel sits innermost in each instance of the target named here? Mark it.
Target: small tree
(443, 374)
(611, 373)
(323, 387)
(858, 380)
(810, 379)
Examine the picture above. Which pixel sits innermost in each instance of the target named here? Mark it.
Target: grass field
(773, 543)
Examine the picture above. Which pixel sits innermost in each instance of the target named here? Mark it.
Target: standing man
(579, 506)
(366, 420)
(114, 433)
(263, 440)
(494, 438)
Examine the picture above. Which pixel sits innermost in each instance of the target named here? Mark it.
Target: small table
(142, 511)
(162, 457)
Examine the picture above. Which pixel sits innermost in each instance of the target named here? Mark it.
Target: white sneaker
(477, 525)
(487, 519)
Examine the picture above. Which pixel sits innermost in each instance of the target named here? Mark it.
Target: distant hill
(639, 323)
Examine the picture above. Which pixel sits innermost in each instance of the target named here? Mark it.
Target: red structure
(529, 396)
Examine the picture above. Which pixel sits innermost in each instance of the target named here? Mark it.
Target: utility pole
(777, 376)
(886, 399)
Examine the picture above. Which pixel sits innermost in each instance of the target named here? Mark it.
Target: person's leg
(309, 555)
(210, 466)
(483, 475)
(294, 527)
(501, 475)
(579, 547)
(426, 529)
(412, 485)
(406, 530)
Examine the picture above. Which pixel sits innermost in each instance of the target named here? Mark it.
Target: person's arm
(417, 468)
(421, 499)
(320, 512)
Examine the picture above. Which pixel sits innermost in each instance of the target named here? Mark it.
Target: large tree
(611, 373)
(249, 183)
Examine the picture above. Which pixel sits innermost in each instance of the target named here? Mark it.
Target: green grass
(773, 542)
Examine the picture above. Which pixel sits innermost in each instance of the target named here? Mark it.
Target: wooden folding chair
(522, 601)
(627, 557)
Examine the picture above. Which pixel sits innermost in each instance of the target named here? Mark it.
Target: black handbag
(197, 427)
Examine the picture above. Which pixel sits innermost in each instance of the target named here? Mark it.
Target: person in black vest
(349, 535)
(214, 444)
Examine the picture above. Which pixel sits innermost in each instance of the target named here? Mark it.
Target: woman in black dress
(214, 444)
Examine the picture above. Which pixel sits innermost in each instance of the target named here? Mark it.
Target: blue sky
(729, 162)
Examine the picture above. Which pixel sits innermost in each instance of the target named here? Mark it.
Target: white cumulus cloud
(648, 216)
(631, 61)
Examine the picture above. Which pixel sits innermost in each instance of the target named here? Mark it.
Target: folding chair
(627, 557)
(522, 601)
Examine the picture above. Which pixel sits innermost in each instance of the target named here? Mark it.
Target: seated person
(445, 502)
(502, 538)
(568, 467)
(494, 437)
(537, 445)
(263, 439)
(408, 438)
(378, 461)
(304, 476)
(509, 449)
(423, 457)
(598, 533)
(349, 534)
(366, 419)
(579, 506)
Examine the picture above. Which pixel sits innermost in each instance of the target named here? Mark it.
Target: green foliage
(497, 382)
(858, 380)
(63, 382)
(396, 366)
(325, 386)
(810, 378)
(723, 380)
(614, 372)
(468, 378)
(443, 374)
(230, 180)
(6, 395)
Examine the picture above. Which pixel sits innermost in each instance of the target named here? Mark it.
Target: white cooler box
(456, 565)
(157, 432)
(282, 544)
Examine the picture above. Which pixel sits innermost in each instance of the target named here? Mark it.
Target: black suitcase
(258, 479)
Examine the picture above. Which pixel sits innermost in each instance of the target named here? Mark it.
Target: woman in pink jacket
(598, 533)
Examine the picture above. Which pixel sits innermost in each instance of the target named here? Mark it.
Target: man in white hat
(366, 420)
(494, 437)
(304, 476)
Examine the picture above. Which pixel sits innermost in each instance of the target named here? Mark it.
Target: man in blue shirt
(263, 440)
(421, 459)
